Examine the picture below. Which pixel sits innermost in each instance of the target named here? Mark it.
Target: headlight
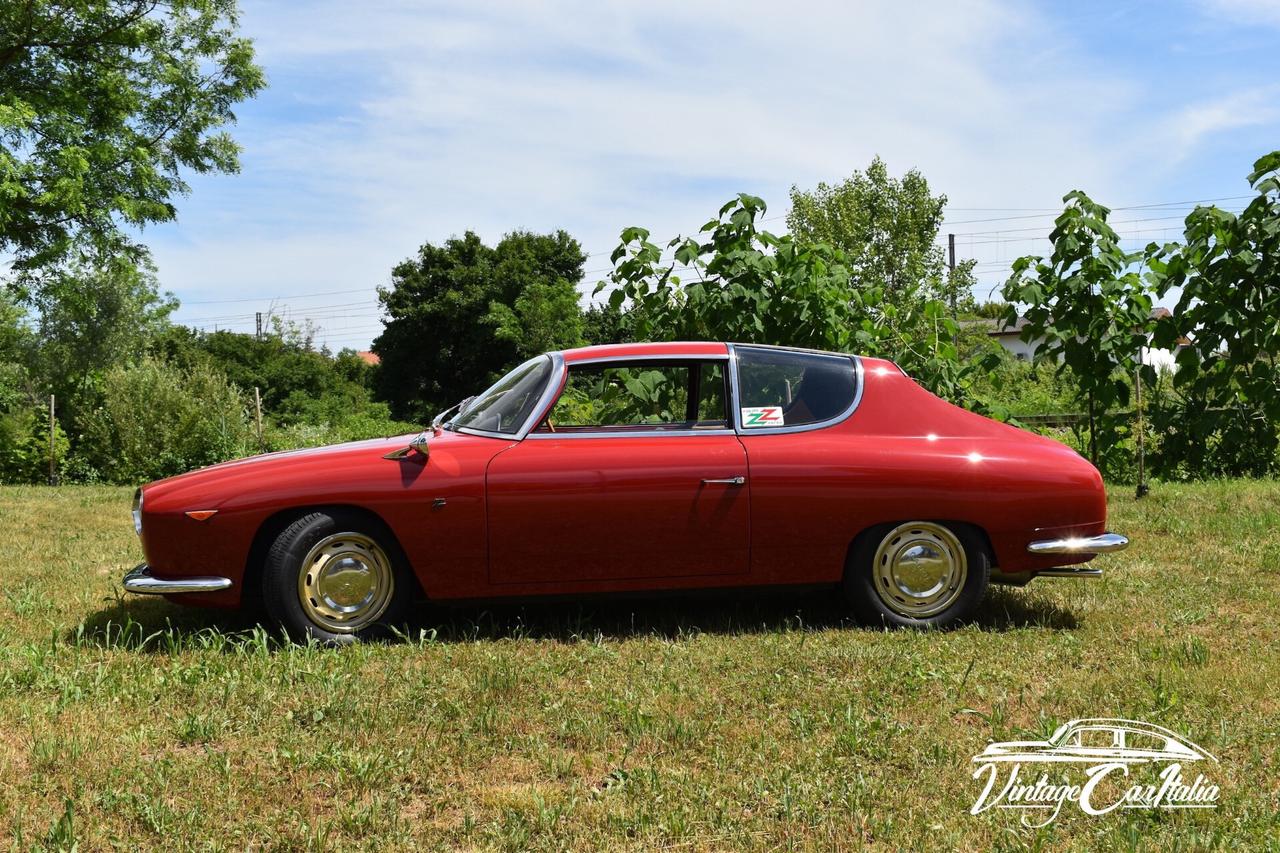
(137, 512)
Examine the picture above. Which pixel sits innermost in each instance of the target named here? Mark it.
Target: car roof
(665, 348)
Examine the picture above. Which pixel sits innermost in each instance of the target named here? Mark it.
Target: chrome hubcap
(920, 569)
(345, 582)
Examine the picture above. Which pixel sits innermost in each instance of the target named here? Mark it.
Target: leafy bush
(24, 445)
(1012, 388)
(157, 420)
(374, 423)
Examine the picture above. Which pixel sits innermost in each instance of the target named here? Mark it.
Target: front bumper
(140, 580)
(1103, 544)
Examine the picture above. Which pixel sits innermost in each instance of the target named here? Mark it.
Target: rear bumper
(1105, 543)
(140, 580)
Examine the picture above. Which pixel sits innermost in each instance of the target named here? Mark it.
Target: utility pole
(951, 281)
(258, 334)
(951, 253)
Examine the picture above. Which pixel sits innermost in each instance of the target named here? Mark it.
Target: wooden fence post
(53, 476)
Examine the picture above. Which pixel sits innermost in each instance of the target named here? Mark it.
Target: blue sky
(390, 124)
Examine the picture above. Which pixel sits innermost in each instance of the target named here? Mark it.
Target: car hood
(217, 482)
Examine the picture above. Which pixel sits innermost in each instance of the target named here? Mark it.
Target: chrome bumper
(141, 581)
(1104, 544)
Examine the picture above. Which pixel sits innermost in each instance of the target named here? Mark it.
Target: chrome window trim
(559, 370)
(630, 431)
(553, 385)
(657, 359)
(858, 378)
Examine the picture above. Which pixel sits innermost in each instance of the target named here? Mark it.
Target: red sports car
(638, 467)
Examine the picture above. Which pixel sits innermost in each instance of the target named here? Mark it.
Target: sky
(388, 125)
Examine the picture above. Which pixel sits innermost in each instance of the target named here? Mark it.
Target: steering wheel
(550, 426)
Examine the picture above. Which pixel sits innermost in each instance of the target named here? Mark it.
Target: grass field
(129, 722)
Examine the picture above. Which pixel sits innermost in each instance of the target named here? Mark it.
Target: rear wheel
(919, 574)
(334, 577)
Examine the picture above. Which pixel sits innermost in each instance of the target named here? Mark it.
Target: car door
(636, 473)
(802, 470)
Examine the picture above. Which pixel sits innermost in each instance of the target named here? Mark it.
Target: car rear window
(783, 388)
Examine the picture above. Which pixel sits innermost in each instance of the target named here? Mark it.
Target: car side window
(640, 396)
(782, 388)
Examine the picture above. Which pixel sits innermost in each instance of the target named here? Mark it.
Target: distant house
(1010, 337)
(370, 358)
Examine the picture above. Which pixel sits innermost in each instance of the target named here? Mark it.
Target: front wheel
(334, 578)
(921, 574)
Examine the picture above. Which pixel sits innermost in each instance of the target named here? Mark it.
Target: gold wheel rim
(345, 582)
(920, 569)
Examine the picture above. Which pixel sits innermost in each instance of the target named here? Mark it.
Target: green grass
(775, 723)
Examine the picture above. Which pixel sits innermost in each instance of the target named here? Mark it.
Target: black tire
(283, 584)
(869, 604)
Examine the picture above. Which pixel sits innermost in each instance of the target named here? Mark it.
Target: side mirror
(416, 448)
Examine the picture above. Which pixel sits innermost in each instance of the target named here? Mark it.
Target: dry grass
(127, 722)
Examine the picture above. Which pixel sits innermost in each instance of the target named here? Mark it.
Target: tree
(605, 324)
(1224, 415)
(463, 312)
(888, 227)
(753, 286)
(17, 342)
(102, 104)
(1090, 304)
(545, 316)
(292, 379)
(92, 317)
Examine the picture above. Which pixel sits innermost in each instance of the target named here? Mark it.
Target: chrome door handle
(727, 481)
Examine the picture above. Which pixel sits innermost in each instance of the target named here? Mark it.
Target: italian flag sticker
(761, 416)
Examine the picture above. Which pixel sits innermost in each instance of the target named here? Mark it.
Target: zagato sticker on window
(761, 416)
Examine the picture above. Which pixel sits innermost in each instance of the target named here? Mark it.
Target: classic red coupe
(638, 467)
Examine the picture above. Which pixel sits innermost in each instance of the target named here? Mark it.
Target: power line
(317, 310)
(269, 298)
(1126, 207)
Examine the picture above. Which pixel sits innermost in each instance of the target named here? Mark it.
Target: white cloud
(407, 123)
(1248, 11)
(1190, 126)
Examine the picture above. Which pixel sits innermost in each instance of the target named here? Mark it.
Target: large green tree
(102, 104)
(92, 316)
(736, 282)
(887, 226)
(462, 312)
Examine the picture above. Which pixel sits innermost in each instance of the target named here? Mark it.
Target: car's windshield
(509, 402)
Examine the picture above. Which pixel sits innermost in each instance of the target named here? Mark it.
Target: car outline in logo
(1067, 745)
